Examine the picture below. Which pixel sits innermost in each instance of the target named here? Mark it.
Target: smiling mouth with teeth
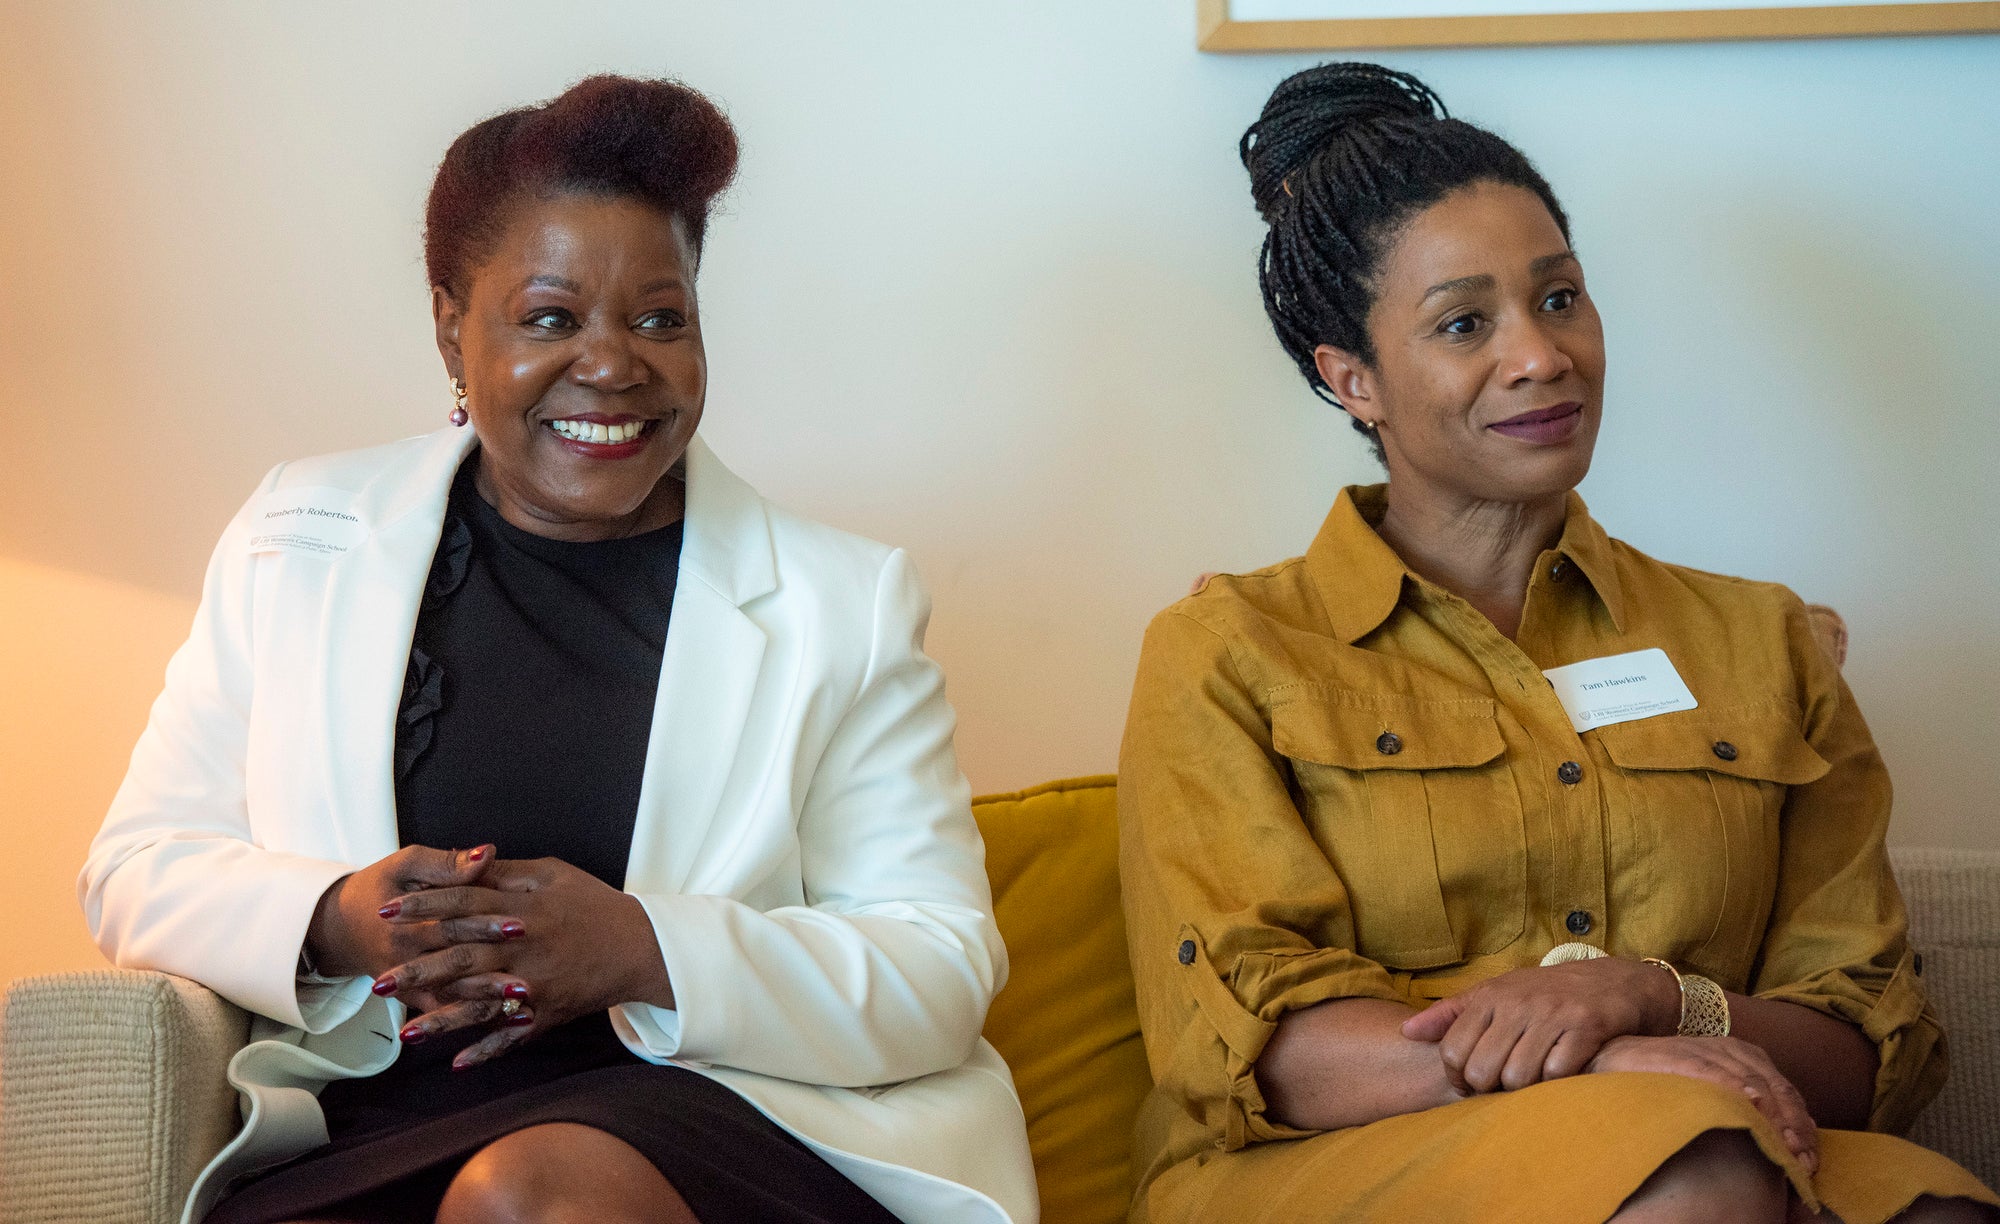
(604, 435)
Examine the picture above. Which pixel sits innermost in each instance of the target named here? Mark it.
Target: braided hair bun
(1333, 102)
(1341, 158)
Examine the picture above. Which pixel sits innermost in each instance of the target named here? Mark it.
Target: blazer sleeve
(175, 880)
(886, 973)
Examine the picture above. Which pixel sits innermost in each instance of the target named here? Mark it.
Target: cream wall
(985, 289)
(81, 659)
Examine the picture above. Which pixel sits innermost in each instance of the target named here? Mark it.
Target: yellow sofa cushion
(1067, 1022)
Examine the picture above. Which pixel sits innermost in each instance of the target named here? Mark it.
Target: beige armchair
(112, 1094)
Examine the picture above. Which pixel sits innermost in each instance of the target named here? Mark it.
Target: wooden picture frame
(1215, 30)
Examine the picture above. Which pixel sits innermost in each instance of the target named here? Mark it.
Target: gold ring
(510, 1008)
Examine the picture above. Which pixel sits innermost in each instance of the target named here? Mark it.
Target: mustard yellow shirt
(1278, 851)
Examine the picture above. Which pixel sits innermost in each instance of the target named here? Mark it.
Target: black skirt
(394, 1154)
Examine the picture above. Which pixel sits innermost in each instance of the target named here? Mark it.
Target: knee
(547, 1175)
(1721, 1175)
(561, 1173)
(505, 1182)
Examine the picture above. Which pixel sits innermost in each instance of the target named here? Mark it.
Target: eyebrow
(551, 281)
(1541, 267)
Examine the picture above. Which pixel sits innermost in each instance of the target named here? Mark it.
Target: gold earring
(459, 416)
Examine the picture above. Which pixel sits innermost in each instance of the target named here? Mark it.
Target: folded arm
(1838, 1003)
(1258, 1014)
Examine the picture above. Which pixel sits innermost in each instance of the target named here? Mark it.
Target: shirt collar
(1586, 545)
(1360, 578)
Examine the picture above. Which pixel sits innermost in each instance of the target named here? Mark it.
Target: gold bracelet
(1704, 1006)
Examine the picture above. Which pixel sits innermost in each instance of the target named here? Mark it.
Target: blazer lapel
(370, 617)
(708, 674)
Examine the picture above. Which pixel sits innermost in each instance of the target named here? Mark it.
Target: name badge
(314, 521)
(1619, 688)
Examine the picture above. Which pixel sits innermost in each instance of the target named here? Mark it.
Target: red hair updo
(655, 141)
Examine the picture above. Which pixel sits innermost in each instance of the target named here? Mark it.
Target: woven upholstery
(1954, 900)
(112, 1095)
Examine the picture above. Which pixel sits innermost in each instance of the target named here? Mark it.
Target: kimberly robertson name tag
(1619, 688)
(315, 521)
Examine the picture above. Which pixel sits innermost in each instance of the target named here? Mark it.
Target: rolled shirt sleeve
(1235, 915)
(1838, 937)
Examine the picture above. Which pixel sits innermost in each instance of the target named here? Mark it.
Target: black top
(525, 714)
(543, 659)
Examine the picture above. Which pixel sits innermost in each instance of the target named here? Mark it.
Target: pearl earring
(458, 413)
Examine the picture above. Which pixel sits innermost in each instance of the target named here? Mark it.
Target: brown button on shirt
(1276, 854)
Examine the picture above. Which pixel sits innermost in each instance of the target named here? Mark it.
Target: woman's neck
(1482, 551)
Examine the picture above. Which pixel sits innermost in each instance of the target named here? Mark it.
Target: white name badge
(1619, 688)
(317, 522)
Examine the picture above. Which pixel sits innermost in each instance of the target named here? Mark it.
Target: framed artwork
(1327, 25)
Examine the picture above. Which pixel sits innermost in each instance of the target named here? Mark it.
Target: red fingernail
(385, 985)
(521, 1017)
(391, 910)
(477, 853)
(514, 990)
(511, 929)
(412, 1034)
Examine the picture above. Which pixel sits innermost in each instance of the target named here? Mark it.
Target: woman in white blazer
(774, 1014)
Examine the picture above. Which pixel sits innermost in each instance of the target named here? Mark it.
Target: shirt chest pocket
(1704, 791)
(1415, 807)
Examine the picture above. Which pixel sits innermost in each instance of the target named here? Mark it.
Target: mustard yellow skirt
(1565, 1152)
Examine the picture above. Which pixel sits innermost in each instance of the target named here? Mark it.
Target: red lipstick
(604, 450)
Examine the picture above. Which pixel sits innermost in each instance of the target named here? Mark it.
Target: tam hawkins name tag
(1619, 688)
(314, 521)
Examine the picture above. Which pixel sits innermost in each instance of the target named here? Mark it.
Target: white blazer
(804, 843)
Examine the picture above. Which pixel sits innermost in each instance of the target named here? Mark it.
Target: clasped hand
(456, 934)
(1606, 1014)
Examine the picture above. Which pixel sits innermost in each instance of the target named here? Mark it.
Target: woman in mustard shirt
(1422, 932)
